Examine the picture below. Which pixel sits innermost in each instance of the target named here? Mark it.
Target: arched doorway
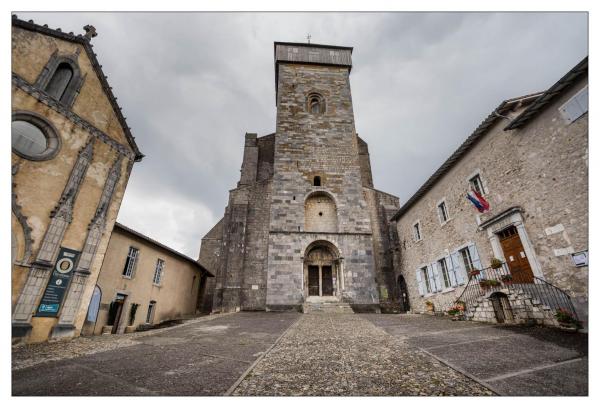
(501, 306)
(322, 271)
(403, 294)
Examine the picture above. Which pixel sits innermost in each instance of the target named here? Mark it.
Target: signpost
(58, 284)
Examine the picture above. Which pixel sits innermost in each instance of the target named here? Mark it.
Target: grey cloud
(191, 84)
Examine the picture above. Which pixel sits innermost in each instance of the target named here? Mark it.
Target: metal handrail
(498, 278)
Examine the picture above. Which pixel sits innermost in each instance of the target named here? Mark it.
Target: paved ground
(203, 357)
(345, 354)
(363, 354)
(512, 360)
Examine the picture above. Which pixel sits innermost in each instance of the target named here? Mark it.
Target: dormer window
(315, 104)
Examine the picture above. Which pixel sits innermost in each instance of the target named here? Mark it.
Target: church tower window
(316, 104)
(317, 181)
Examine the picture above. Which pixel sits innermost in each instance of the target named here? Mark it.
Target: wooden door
(515, 256)
(313, 280)
(115, 326)
(327, 280)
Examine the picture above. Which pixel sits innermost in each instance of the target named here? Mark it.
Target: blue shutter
(436, 277)
(475, 256)
(431, 279)
(459, 270)
(420, 283)
(451, 271)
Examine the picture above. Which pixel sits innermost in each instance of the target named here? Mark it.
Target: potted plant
(484, 284)
(496, 263)
(566, 319)
(507, 279)
(456, 312)
(494, 283)
(430, 306)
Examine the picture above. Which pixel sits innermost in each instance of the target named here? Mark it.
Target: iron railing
(491, 280)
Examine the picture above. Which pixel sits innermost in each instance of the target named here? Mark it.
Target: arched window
(315, 103)
(94, 306)
(60, 81)
(317, 181)
(320, 213)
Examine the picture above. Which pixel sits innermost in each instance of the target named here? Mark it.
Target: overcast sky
(191, 85)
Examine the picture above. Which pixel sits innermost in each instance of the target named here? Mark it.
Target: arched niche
(320, 213)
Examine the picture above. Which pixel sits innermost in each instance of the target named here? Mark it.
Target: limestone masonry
(304, 222)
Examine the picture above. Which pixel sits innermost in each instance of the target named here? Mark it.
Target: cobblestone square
(315, 354)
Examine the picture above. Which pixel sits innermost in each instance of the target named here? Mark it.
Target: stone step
(327, 307)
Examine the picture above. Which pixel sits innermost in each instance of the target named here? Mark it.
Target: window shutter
(436, 277)
(451, 271)
(431, 279)
(420, 283)
(474, 256)
(459, 270)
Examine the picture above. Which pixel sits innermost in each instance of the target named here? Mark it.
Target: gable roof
(163, 246)
(83, 40)
(548, 96)
(462, 150)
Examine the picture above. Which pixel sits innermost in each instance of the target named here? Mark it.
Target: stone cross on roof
(308, 38)
(90, 31)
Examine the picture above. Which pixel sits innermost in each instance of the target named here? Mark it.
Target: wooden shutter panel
(459, 270)
(474, 256)
(431, 279)
(436, 277)
(451, 271)
(420, 283)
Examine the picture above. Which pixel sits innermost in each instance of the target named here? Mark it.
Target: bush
(566, 318)
(132, 312)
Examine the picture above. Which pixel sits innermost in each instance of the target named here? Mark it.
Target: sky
(192, 84)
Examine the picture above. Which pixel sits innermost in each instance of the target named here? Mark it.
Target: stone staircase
(326, 307)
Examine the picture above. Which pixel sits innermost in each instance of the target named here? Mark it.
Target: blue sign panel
(58, 284)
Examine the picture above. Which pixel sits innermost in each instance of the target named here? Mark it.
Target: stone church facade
(72, 154)
(304, 223)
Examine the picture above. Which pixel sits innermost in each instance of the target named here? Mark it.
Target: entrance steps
(326, 307)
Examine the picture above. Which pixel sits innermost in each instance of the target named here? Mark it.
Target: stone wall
(542, 169)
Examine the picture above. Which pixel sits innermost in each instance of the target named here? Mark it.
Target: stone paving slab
(513, 360)
(204, 357)
(347, 355)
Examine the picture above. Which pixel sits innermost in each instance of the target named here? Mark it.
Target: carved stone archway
(323, 271)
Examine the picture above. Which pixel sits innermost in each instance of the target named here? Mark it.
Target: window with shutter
(420, 282)
(459, 271)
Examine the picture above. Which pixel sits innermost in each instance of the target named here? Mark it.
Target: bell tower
(317, 193)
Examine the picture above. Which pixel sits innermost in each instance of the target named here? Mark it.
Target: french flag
(478, 201)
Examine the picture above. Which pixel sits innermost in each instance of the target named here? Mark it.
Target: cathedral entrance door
(327, 278)
(313, 280)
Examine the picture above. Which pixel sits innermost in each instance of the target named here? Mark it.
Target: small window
(425, 272)
(317, 181)
(60, 81)
(443, 212)
(158, 272)
(417, 231)
(150, 314)
(130, 262)
(443, 267)
(575, 107)
(315, 103)
(467, 260)
(476, 184)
